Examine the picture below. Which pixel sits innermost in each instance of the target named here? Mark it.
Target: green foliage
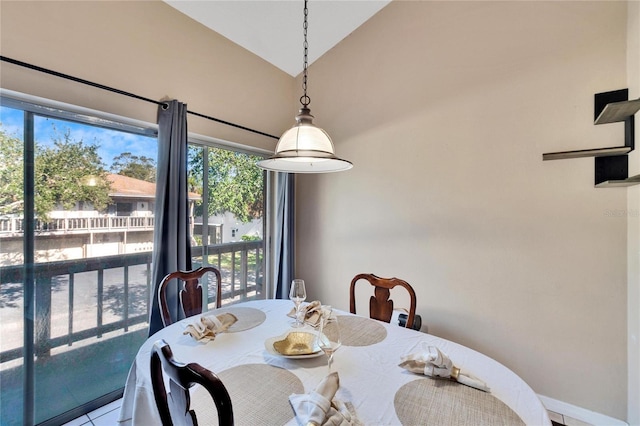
(127, 164)
(68, 172)
(235, 182)
(11, 174)
(251, 238)
(65, 173)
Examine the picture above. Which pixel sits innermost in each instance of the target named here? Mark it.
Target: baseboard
(579, 413)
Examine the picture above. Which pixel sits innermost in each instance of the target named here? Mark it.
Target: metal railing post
(99, 301)
(148, 292)
(244, 273)
(71, 289)
(257, 272)
(43, 316)
(126, 297)
(233, 274)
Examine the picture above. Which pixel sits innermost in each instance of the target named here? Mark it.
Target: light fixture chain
(304, 148)
(305, 100)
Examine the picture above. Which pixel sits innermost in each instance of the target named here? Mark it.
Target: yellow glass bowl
(297, 343)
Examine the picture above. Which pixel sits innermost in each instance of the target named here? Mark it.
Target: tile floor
(564, 420)
(106, 415)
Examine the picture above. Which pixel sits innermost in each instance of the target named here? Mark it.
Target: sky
(111, 142)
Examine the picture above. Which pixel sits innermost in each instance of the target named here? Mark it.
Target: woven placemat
(359, 331)
(444, 402)
(259, 396)
(247, 317)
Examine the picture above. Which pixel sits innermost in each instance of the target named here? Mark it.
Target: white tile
(109, 419)
(83, 420)
(115, 405)
(556, 417)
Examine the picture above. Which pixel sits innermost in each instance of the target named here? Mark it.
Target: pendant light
(305, 148)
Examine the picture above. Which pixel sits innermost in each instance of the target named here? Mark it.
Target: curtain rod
(122, 92)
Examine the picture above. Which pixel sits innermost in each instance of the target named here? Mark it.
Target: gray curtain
(172, 243)
(283, 235)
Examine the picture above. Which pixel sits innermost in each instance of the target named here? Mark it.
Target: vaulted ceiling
(272, 29)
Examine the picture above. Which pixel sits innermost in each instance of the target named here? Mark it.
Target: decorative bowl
(297, 343)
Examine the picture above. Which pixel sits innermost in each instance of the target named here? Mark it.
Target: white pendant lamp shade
(305, 148)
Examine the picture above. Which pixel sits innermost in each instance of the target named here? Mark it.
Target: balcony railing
(85, 298)
(13, 226)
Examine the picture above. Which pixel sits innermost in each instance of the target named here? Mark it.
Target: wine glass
(297, 294)
(329, 335)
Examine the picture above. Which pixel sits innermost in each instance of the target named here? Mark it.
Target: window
(228, 231)
(124, 209)
(89, 295)
(86, 226)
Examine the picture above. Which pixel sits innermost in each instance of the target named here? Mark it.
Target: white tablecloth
(369, 375)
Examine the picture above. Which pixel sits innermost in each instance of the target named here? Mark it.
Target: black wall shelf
(633, 180)
(618, 111)
(595, 152)
(611, 163)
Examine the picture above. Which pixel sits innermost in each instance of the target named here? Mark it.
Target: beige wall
(147, 48)
(445, 109)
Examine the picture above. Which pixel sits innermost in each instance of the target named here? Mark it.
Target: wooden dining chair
(380, 306)
(190, 292)
(174, 407)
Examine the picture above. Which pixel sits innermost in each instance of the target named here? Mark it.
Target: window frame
(32, 106)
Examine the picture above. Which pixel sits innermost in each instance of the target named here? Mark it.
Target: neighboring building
(134, 197)
(126, 226)
(226, 228)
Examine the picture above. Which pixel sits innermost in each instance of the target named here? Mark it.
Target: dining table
(260, 379)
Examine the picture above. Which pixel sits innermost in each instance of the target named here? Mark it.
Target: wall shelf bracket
(611, 163)
(613, 107)
(608, 107)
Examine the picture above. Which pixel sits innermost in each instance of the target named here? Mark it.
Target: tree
(235, 182)
(67, 172)
(11, 171)
(127, 164)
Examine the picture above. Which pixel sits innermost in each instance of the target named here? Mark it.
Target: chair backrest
(174, 407)
(190, 292)
(380, 307)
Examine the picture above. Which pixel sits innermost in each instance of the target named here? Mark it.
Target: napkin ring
(455, 373)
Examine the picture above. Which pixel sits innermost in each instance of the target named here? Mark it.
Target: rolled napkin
(430, 361)
(208, 327)
(319, 408)
(311, 313)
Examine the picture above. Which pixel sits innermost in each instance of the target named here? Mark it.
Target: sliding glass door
(229, 227)
(74, 265)
(76, 239)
